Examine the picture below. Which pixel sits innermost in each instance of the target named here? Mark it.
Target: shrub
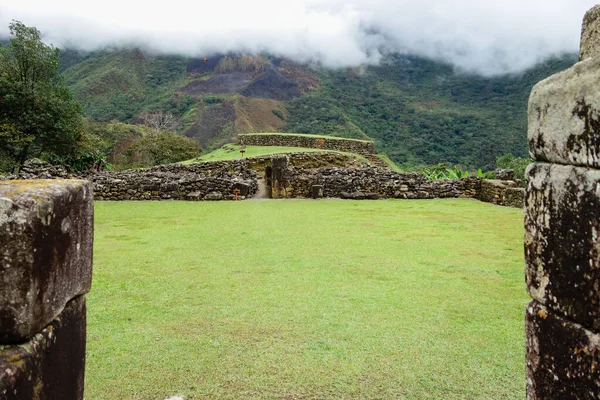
(518, 164)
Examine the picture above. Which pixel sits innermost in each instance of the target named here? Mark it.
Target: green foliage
(442, 171)
(37, 112)
(160, 147)
(518, 164)
(422, 112)
(418, 111)
(278, 113)
(83, 161)
(315, 113)
(135, 146)
(122, 84)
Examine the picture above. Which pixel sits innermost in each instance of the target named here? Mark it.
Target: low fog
(480, 36)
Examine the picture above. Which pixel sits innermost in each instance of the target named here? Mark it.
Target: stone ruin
(562, 226)
(46, 232)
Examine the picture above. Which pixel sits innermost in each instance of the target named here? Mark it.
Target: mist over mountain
(477, 36)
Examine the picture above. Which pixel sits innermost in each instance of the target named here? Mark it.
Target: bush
(517, 164)
(125, 146)
(156, 148)
(278, 113)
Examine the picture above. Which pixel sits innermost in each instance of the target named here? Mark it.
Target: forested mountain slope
(418, 111)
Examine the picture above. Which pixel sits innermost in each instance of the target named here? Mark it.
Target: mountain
(418, 111)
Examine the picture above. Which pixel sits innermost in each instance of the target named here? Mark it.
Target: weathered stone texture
(176, 182)
(46, 231)
(356, 183)
(502, 193)
(51, 365)
(590, 34)
(562, 250)
(563, 358)
(564, 116)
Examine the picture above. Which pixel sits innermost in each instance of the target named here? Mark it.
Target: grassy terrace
(232, 152)
(303, 135)
(307, 300)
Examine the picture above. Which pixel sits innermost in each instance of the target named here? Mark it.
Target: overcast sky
(483, 36)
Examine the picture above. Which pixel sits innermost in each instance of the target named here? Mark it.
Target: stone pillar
(562, 228)
(279, 165)
(46, 236)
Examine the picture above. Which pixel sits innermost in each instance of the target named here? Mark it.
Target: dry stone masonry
(362, 147)
(373, 183)
(503, 193)
(202, 181)
(46, 232)
(562, 225)
(300, 175)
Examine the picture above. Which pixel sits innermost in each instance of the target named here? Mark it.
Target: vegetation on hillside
(40, 118)
(121, 84)
(419, 112)
(38, 115)
(422, 112)
(124, 146)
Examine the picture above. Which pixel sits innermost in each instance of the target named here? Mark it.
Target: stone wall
(370, 182)
(202, 181)
(46, 231)
(312, 160)
(339, 175)
(562, 221)
(362, 147)
(502, 193)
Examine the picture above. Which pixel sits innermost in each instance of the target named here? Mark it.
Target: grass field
(232, 152)
(327, 299)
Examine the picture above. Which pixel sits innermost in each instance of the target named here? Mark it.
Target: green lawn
(232, 152)
(328, 299)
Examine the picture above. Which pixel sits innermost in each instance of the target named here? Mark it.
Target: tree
(38, 115)
(160, 120)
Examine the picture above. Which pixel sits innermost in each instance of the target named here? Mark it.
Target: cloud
(481, 36)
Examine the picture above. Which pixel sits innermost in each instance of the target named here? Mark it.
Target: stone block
(515, 197)
(193, 196)
(46, 231)
(562, 250)
(50, 365)
(564, 116)
(590, 34)
(213, 196)
(316, 191)
(563, 358)
(505, 174)
(243, 187)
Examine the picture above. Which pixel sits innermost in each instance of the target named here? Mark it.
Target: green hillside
(418, 111)
(121, 84)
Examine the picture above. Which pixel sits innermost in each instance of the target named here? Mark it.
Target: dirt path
(261, 193)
